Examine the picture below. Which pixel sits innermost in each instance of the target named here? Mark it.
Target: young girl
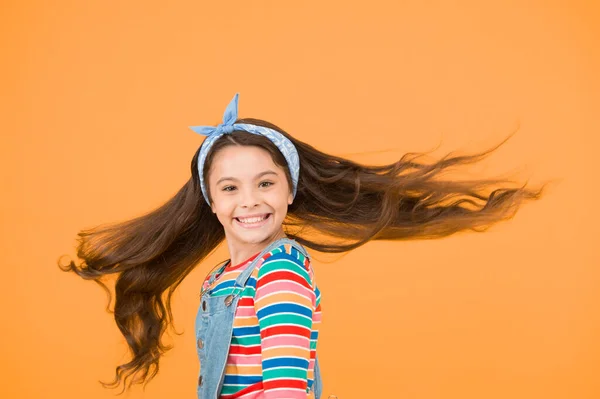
(268, 195)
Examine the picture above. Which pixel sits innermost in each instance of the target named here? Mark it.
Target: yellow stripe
(250, 321)
(284, 297)
(285, 351)
(243, 370)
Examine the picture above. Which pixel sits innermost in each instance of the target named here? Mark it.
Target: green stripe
(301, 256)
(284, 372)
(246, 341)
(249, 291)
(222, 292)
(229, 390)
(283, 264)
(284, 319)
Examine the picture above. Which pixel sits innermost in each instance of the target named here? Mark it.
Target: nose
(250, 198)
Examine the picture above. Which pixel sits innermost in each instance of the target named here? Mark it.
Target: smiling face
(250, 195)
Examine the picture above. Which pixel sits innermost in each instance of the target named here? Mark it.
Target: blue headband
(228, 126)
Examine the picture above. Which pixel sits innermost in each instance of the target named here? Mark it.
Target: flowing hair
(340, 205)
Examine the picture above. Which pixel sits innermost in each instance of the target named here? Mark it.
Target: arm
(284, 303)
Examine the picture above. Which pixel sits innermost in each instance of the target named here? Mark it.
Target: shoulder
(286, 258)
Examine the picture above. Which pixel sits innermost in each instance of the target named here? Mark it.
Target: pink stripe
(284, 286)
(286, 393)
(253, 360)
(253, 395)
(245, 311)
(284, 340)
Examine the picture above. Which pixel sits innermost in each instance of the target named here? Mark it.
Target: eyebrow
(266, 172)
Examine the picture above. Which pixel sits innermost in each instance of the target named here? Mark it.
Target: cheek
(277, 197)
(281, 201)
(223, 209)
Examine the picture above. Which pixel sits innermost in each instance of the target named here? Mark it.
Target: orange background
(96, 102)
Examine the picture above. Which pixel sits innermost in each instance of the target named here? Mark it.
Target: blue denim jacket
(214, 328)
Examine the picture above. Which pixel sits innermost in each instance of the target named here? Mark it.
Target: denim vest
(214, 329)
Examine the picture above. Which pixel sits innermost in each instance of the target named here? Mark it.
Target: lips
(253, 218)
(253, 221)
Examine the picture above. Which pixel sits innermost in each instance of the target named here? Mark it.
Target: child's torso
(244, 371)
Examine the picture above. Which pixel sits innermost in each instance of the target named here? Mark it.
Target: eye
(231, 188)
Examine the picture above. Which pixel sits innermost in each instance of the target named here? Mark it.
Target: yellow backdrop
(97, 97)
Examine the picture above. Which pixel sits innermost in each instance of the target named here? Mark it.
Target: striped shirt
(275, 327)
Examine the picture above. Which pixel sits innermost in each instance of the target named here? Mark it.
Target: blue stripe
(284, 308)
(285, 361)
(241, 331)
(224, 284)
(241, 380)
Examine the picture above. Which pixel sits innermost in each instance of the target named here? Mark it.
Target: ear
(290, 199)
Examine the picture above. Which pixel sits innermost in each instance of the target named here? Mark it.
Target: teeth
(252, 220)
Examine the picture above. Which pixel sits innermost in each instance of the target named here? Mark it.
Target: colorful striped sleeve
(284, 303)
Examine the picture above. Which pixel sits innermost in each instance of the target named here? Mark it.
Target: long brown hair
(345, 203)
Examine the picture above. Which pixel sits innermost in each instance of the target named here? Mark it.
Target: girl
(268, 195)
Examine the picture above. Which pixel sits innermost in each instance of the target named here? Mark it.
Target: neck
(240, 251)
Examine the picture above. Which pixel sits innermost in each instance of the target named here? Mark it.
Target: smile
(254, 222)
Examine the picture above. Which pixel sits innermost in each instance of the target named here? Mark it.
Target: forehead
(241, 161)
